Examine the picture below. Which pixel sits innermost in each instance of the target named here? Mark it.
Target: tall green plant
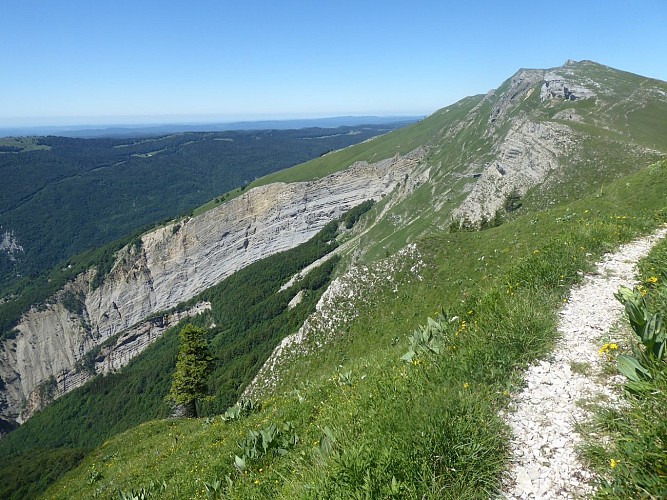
(193, 365)
(649, 328)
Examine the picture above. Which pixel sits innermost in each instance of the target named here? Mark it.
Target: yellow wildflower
(652, 279)
(466, 385)
(612, 346)
(613, 463)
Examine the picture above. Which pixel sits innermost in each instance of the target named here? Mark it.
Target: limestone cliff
(100, 359)
(526, 156)
(172, 264)
(542, 122)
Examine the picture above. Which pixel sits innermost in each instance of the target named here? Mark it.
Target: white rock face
(50, 339)
(178, 261)
(557, 86)
(9, 245)
(296, 300)
(110, 358)
(529, 152)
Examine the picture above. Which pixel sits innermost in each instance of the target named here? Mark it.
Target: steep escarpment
(93, 358)
(544, 126)
(541, 128)
(172, 264)
(529, 152)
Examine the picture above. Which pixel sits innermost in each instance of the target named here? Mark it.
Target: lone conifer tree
(192, 368)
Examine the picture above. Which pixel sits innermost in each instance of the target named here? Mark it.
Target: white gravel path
(544, 462)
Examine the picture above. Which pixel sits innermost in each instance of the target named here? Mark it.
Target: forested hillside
(60, 196)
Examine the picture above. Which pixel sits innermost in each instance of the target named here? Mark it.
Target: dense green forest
(60, 196)
(248, 318)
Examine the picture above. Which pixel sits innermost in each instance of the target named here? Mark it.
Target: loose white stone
(545, 428)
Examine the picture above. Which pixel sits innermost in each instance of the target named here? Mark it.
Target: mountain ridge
(550, 138)
(522, 154)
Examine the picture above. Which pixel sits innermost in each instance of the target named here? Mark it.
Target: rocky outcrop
(523, 159)
(338, 306)
(557, 86)
(107, 358)
(51, 338)
(520, 86)
(532, 148)
(174, 263)
(9, 244)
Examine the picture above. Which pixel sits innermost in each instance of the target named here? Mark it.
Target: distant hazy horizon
(106, 63)
(164, 125)
(141, 120)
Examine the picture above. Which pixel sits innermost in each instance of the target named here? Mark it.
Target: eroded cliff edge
(172, 264)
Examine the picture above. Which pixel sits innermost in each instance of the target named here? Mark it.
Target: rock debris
(544, 460)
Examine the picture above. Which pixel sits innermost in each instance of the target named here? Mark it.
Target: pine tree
(193, 366)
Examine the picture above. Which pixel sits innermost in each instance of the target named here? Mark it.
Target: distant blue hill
(95, 131)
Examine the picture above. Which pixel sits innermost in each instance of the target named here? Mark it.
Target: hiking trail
(543, 416)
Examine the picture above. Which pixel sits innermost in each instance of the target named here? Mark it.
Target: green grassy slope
(402, 141)
(368, 423)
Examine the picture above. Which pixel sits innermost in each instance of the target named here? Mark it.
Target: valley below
(171, 265)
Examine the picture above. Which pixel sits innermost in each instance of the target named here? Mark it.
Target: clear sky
(146, 61)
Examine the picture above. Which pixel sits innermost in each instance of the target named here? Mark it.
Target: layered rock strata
(530, 150)
(107, 358)
(174, 263)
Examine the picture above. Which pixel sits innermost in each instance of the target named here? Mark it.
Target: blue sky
(145, 61)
